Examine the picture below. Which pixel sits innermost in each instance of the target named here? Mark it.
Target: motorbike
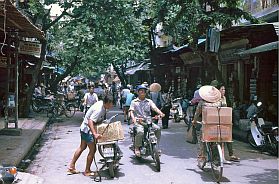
(7, 174)
(149, 142)
(176, 110)
(110, 152)
(40, 103)
(263, 136)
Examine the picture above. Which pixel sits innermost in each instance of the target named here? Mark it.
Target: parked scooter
(40, 103)
(176, 110)
(150, 146)
(7, 174)
(110, 152)
(262, 136)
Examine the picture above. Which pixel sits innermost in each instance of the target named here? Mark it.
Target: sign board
(30, 48)
(190, 58)
(3, 61)
(231, 56)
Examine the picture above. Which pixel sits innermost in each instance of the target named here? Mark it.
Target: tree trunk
(122, 77)
(35, 79)
(54, 84)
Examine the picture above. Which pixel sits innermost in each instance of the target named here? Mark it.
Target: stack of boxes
(212, 131)
(111, 132)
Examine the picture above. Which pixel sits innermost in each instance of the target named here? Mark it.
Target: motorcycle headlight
(13, 170)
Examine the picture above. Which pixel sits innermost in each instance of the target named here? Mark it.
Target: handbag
(191, 135)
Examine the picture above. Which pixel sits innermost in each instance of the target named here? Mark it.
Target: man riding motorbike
(140, 110)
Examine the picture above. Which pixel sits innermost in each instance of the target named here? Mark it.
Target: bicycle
(214, 156)
(59, 108)
(214, 136)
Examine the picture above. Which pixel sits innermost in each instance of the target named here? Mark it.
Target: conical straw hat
(210, 94)
(155, 87)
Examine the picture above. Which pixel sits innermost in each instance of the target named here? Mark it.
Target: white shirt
(125, 92)
(90, 99)
(96, 113)
(142, 108)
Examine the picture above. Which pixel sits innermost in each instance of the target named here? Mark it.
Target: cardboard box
(210, 115)
(113, 132)
(211, 133)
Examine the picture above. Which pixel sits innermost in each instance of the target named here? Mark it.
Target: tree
(110, 36)
(188, 20)
(38, 12)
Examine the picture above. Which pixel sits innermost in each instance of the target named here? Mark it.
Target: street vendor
(88, 131)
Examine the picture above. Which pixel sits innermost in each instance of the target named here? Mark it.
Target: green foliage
(100, 32)
(105, 32)
(187, 20)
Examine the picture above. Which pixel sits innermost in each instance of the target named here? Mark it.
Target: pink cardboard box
(210, 115)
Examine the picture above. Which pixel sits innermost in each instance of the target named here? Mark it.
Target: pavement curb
(14, 149)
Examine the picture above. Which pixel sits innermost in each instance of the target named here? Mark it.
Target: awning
(261, 48)
(17, 21)
(140, 67)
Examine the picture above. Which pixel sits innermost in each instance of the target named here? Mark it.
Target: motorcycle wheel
(251, 140)
(70, 110)
(273, 147)
(35, 106)
(111, 169)
(176, 118)
(156, 158)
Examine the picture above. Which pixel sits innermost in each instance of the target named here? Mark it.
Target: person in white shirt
(90, 98)
(95, 115)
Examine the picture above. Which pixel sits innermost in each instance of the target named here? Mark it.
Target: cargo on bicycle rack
(217, 124)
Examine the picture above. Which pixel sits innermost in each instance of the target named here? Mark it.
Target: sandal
(234, 158)
(89, 174)
(72, 171)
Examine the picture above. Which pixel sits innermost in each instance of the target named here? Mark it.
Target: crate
(113, 132)
(211, 133)
(210, 115)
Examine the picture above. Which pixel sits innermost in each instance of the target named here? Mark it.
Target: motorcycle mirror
(259, 104)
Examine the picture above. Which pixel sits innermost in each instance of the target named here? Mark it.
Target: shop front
(246, 74)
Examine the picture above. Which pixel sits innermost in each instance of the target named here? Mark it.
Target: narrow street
(178, 160)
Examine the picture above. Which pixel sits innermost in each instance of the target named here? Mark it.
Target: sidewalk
(13, 149)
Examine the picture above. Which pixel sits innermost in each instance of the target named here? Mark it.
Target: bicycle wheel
(216, 161)
(35, 106)
(70, 110)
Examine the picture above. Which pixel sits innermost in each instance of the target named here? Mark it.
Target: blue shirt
(129, 98)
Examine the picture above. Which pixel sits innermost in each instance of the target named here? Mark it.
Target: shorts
(87, 137)
(126, 108)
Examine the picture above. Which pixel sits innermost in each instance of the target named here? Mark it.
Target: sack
(191, 135)
(158, 101)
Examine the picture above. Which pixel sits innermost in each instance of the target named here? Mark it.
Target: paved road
(178, 160)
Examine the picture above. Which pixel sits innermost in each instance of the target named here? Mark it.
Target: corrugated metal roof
(15, 20)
